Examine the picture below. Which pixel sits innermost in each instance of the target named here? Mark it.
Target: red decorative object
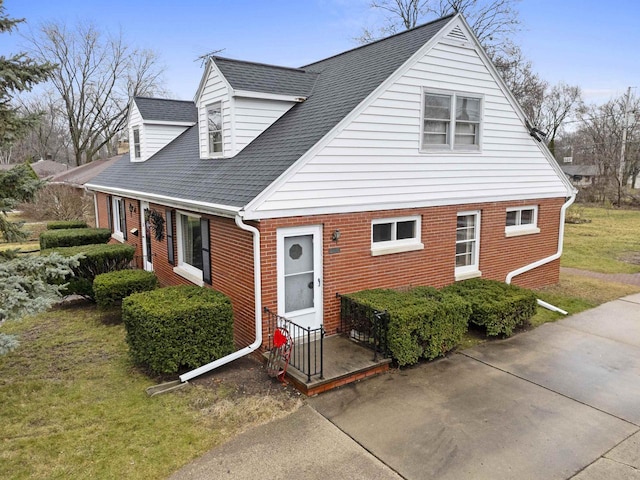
(279, 339)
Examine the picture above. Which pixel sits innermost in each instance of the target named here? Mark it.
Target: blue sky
(593, 44)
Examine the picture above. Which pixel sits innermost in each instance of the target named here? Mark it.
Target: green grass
(73, 406)
(609, 244)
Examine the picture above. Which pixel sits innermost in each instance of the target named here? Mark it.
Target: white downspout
(553, 257)
(258, 311)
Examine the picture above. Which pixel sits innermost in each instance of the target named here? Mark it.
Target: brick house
(402, 162)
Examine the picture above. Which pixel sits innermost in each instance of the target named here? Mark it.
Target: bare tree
(95, 77)
(493, 21)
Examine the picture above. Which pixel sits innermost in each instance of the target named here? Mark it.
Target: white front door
(145, 233)
(300, 275)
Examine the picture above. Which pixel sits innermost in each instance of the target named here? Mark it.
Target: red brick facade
(353, 268)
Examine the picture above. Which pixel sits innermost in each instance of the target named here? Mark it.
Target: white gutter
(546, 260)
(257, 283)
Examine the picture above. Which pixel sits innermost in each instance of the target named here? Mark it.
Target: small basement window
(521, 221)
(393, 235)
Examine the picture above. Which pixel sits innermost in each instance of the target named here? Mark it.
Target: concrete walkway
(559, 402)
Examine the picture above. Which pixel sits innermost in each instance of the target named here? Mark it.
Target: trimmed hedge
(498, 307)
(97, 259)
(423, 322)
(174, 327)
(111, 287)
(66, 224)
(71, 237)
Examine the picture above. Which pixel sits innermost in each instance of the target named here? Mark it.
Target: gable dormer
(239, 100)
(156, 122)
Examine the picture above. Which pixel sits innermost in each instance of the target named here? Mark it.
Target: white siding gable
(153, 135)
(373, 160)
(253, 116)
(215, 89)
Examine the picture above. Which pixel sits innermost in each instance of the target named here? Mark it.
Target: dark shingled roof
(343, 81)
(258, 77)
(162, 109)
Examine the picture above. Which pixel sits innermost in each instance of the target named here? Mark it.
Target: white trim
(217, 103)
(269, 96)
(95, 208)
(203, 207)
(205, 76)
(144, 238)
(318, 283)
(117, 209)
(519, 229)
(169, 123)
(473, 270)
(394, 245)
(254, 204)
(182, 268)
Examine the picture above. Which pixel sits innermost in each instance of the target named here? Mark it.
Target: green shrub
(65, 224)
(422, 322)
(96, 259)
(111, 287)
(174, 327)
(71, 237)
(498, 307)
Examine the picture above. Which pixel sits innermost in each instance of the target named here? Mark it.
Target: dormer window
(136, 143)
(214, 125)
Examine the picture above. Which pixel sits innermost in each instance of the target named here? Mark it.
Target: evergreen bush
(71, 237)
(423, 322)
(111, 287)
(174, 327)
(94, 260)
(66, 224)
(498, 307)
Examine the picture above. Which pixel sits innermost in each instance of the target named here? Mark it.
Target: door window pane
(298, 292)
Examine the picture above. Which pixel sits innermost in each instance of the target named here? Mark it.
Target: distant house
(45, 169)
(405, 161)
(581, 175)
(78, 176)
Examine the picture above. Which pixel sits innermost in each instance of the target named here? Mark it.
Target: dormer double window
(214, 129)
(451, 121)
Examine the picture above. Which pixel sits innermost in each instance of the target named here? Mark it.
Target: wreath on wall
(156, 221)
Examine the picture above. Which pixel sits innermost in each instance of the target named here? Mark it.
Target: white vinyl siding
(214, 90)
(375, 161)
(253, 116)
(153, 137)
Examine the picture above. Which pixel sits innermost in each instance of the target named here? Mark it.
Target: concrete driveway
(561, 400)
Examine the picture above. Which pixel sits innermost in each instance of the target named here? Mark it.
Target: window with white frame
(392, 235)
(214, 128)
(521, 220)
(467, 245)
(136, 143)
(119, 219)
(189, 235)
(451, 121)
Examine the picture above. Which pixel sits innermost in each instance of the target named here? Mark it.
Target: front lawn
(610, 243)
(73, 406)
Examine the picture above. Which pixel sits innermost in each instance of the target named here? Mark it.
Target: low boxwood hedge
(423, 322)
(498, 307)
(71, 237)
(65, 224)
(111, 287)
(175, 327)
(96, 259)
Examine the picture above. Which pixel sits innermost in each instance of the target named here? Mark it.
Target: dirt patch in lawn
(630, 257)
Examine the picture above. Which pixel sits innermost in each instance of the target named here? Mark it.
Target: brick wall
(353, 268)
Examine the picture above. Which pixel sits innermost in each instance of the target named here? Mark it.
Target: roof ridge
(163, 99)
(381, 39)
(295, 69)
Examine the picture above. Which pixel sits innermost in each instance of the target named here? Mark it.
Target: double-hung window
(521, 221)
(467, 245)
(189, 233)
(393, 235)
(451, 121)
(214, 128)
(136, 143)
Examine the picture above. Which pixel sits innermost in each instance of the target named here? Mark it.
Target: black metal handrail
(307, 344)
(365, 325)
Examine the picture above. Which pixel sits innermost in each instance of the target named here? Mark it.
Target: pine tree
(18, 73)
